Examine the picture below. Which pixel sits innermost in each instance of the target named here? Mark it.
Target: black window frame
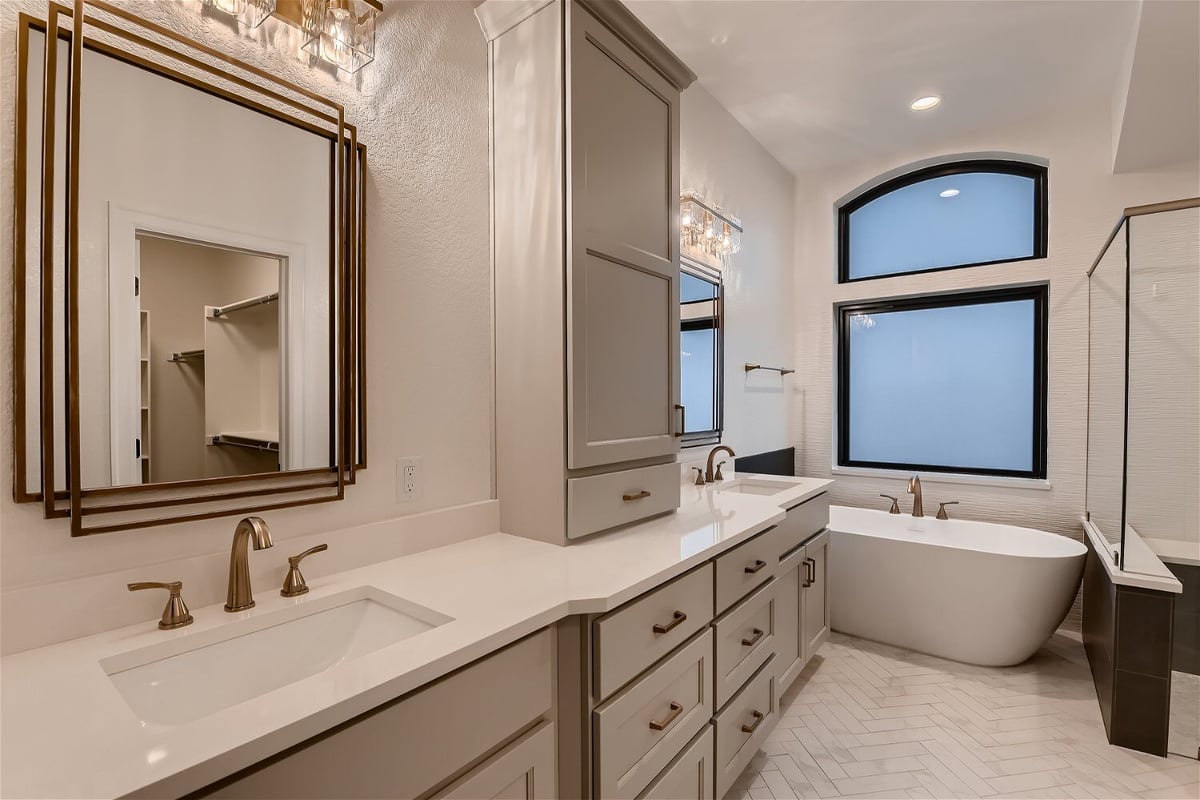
(1025, 169)
(1039, 293)
(715, 323)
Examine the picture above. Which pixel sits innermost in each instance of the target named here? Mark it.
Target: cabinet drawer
(522, 771)
(745, 568)
(745, 639)
(690, 776)
(599, 502)
(429, 741)
(638, 732)
(743, 725)
(802, 522)
(634, 636)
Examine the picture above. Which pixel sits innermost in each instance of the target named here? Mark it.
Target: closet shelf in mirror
(255, 440)
(186, 356)
(214, 312)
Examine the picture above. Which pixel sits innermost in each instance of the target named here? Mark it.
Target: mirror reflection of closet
(209, 361)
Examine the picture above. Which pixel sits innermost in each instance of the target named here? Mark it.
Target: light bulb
(925, 103)
(948, 193)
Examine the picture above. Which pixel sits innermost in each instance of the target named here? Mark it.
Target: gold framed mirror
(188, 328)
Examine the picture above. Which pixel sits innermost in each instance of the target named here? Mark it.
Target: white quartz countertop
(67, 732)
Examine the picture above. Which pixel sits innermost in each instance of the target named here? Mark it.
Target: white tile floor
(869, 720)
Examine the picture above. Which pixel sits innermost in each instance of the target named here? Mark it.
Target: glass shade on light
(250, 13)
(344, 34)
(707, 228)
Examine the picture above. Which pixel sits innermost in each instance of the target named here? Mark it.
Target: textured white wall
(723, 162)
(421, 109)
(1085, 201)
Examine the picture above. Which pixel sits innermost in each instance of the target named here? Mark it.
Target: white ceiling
(825, 82)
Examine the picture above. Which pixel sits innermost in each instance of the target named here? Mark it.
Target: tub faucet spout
(914, 488)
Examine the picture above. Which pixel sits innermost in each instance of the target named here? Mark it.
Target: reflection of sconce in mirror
(340, 32)
(250, 13)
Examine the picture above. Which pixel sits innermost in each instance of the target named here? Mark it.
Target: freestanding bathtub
(975, 592)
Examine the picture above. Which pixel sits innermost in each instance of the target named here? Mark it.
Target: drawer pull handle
(751, 728)
(810, 567)
(629, 498)
(758, 564)
(676, 710)
(753, 640)
(678, 618)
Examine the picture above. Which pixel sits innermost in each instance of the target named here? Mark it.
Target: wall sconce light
(341, 32)
(706, 230)
(344, 34)
(250, 13)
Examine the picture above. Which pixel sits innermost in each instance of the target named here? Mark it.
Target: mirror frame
(347, 279)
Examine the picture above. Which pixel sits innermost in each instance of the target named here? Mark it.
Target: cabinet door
(816, 595)
(623, 252)
(789, 641)
(522, 771)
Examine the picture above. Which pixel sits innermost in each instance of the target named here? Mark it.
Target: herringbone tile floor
(869, 720)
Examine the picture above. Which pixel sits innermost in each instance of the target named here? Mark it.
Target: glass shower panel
(1162, 483)
(1106, 389)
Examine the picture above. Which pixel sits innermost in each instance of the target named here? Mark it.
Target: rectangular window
(700, 359)
(945, 383)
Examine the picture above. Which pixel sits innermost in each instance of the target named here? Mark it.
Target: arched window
(962, 214)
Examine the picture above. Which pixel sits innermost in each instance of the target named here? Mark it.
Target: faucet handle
(294, 584)
(176, 614)
(942, 509)
(719, 476)
(895, 509)
(699, 476)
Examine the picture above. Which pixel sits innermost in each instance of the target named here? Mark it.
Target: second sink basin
(755, 486)
(193, 676)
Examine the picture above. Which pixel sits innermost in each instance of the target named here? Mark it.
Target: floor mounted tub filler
(976, 592)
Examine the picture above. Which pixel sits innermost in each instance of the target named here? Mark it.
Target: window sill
(1035, 484)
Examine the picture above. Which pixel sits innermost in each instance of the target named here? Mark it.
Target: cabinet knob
(753, 640)
(758, 564)
(629, 498)
(665, 722)
(752, 727)
(678, 617)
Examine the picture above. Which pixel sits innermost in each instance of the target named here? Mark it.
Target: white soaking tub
(976, 592)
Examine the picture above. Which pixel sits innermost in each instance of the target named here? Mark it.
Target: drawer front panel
(690, 776)
(429, 722)
(803, 522)
(639, 731)
(522, 771)
(742, 727)
(745, 568)
(639, 633)
(745, 639)
(599, 502)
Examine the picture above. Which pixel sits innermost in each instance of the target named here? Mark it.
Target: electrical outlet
(408, 479)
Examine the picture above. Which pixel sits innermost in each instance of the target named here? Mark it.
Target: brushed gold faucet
(914, 488)
(708, 472)
(294, 584)
(250, 530)
(176, 614)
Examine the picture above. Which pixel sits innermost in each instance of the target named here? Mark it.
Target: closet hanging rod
(250, 302)
(186, 356)
(780, 370)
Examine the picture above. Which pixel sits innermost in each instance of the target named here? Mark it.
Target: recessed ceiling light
(925, 103)
(948, 193)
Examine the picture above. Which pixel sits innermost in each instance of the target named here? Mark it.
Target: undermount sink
(193, 676)
(755, 486)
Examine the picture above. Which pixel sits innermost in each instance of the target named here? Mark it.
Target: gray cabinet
(815, 607)
(522, 771)
(410, 746)
(585, 182)
(802, 621)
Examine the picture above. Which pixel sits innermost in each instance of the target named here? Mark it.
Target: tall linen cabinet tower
(585, 240)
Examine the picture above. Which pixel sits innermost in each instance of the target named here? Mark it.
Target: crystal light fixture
(707, 230)
(250, 13)
(344, 34)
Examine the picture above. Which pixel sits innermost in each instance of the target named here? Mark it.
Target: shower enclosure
(1143, 415)
(1141, 589)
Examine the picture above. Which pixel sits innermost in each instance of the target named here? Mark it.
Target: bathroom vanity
(508, 667)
